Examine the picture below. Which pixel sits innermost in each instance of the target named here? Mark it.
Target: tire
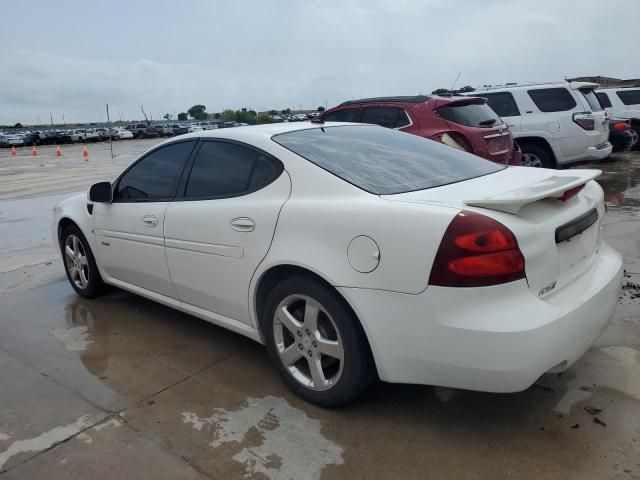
(636, 146)
(294, 346)
(83, 275)
(536, 156)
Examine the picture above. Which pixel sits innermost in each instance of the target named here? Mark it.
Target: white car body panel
(418, 333)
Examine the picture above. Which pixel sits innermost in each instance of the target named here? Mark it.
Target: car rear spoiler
(558, 185)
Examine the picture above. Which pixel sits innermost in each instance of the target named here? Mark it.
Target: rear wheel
(536, 156)
(80, 264)
(316, 342)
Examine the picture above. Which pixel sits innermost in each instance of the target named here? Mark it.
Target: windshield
(383, 161)
(470, 114)
(592, 99)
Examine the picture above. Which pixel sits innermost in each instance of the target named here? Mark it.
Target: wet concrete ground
(121, 387)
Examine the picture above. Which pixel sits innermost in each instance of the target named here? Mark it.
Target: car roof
(533, 85)
(397, 99)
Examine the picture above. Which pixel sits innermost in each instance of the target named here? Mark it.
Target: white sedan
(356, 252)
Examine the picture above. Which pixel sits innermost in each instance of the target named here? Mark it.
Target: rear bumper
(498, 339)
(599, 152)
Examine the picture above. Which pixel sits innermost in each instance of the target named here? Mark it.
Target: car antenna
(454, 83)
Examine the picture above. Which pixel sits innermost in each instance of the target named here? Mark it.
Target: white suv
(622, 102)
(554, 123)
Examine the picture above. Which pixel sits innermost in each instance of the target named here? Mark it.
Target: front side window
(223, 169)
(629, 97)
(604, 99)
(552, 99)
(502, 103)
(154, 177)
(592, 99)
(344, 115)
(383, 161)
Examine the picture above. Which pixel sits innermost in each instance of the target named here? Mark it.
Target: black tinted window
(604, 99)
(471, 114)
(629, 97)
(384, 161)
(552, 99)
(592, 99)
(226, 169)
(502, 103)
(156, 176)
(383, 116)
(345, 115)
(403, 119)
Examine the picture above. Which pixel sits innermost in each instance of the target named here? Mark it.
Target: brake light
(477, 251)
(572, 192)
(585, 121)
(622, 126)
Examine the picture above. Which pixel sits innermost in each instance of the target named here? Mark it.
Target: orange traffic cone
(13, 151)
(85, 153)
(58, 151)
(34, 152)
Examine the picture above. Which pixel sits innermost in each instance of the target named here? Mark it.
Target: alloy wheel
(308, 342)
(531, 160)
(76, 261)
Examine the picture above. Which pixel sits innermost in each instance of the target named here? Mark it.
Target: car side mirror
(101, 192)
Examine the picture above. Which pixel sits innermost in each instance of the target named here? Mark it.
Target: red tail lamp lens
(477, 251)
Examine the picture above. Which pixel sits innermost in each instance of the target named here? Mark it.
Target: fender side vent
(90, 208)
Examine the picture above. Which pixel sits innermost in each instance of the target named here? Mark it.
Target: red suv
(467, 123)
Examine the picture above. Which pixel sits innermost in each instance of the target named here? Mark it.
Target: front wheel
(80, 264)
(316, 342)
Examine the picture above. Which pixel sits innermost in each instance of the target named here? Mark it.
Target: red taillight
(621, 126)
(572, 192)
(477, 251)
(585, 121)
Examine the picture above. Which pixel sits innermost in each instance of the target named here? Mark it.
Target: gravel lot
(121, 387)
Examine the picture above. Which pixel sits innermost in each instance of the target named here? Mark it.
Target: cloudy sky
(71, 57)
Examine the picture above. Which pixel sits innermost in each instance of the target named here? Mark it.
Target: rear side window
(154, 177)
(502, 103)
(390, 117)
(552, 99)
(383, 161)
(226, 170)
(629, 97)
(474, 113)
(344, 115)
(604, 99)
(592, 99)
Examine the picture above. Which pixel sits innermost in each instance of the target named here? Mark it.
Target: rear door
(130, 229)
(220, 228)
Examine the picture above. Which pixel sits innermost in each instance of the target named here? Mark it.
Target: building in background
(608, 81)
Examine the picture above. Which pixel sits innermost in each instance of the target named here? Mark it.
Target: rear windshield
(592, 99)
(470, 114)
(383, 161)
(629, 97)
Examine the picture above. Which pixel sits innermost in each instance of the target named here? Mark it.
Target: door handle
(150, 221)
(243, 224)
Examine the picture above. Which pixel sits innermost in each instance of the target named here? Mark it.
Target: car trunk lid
(555, 216)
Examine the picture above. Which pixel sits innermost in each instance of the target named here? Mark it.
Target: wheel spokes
(288, 320)
(68, 252)
(330, 348)
(311, 312)
(317, 374)
(291, 354)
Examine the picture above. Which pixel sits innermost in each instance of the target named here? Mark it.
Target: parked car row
(539, 124)
(293, 117)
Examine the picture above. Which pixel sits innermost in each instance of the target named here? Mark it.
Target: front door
(220, 230)
(129, 230)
